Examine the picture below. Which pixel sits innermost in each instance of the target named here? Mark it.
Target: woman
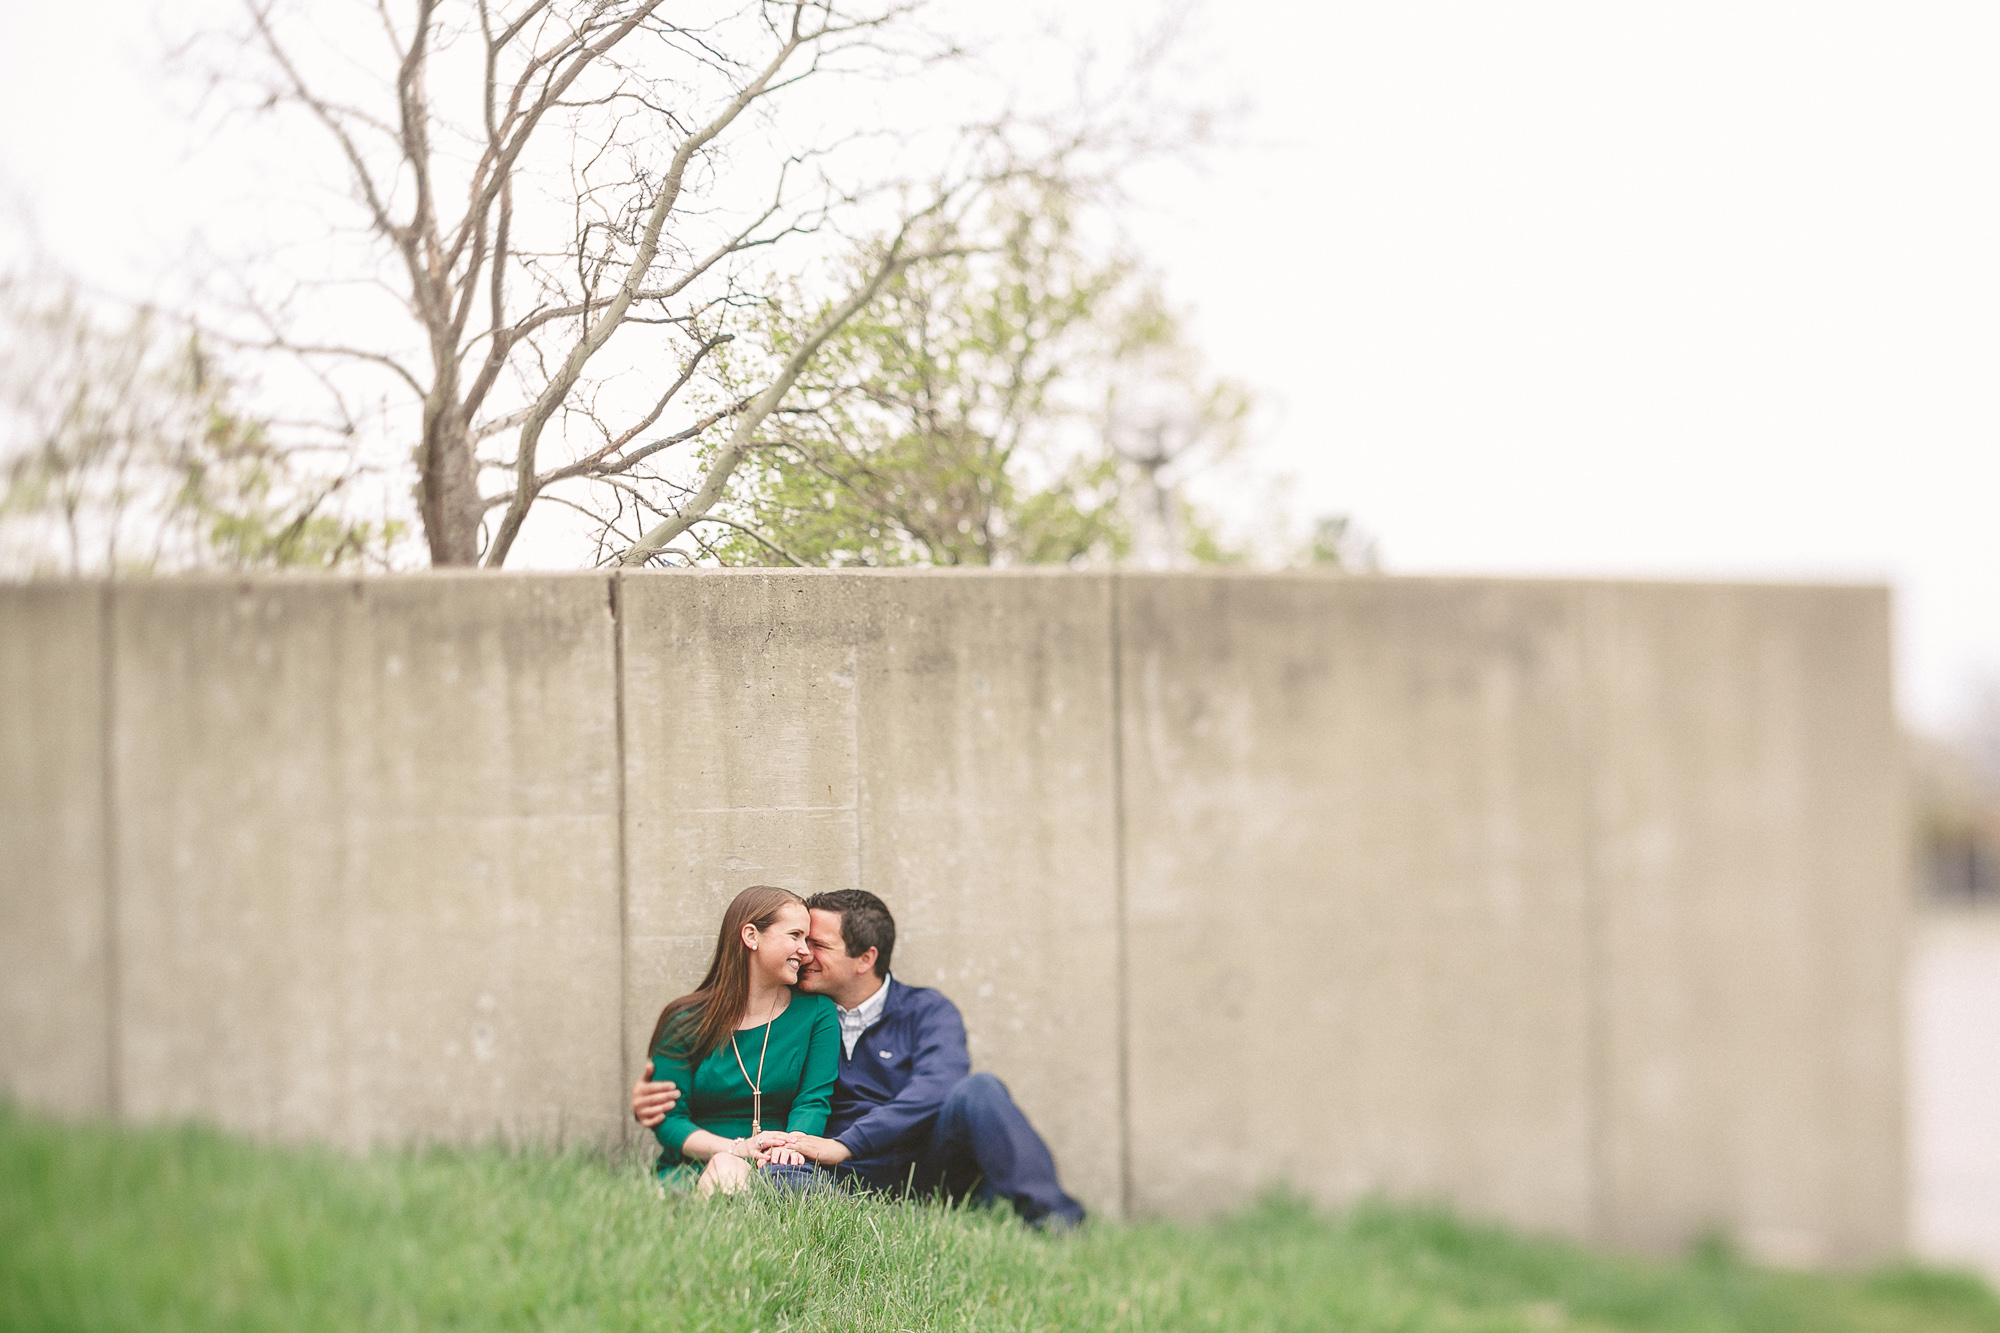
(756, 1056)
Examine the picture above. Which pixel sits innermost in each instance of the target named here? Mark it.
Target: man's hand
(827, 1152)
(651, 1101)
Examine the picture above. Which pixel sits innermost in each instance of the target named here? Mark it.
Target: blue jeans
(799, 1179)
(982, 1147)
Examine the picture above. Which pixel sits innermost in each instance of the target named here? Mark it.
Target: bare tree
(578, 200)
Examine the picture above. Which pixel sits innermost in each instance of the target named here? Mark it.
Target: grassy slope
(184, 1229)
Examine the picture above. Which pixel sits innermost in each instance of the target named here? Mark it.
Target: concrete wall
(1577, 905)
(366, 855)
(1358, 893)
(1750, 853)
(55, 1028)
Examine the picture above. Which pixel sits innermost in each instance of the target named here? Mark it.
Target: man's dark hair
(865, 923)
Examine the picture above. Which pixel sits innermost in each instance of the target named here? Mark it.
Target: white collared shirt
(855, 1021)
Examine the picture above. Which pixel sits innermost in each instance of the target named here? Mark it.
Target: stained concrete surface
(366, 853)
(988, 817)
(55, 1033)
(1580, 905)
(740, 766)
(1750, 890)
(1357, 897)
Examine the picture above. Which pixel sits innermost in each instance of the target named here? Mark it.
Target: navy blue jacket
(890, 1089)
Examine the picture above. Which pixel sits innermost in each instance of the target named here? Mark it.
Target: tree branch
(606, 324)
(893, 262)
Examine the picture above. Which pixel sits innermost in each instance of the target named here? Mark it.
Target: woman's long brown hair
(697, 1023)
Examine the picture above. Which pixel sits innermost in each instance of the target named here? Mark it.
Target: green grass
(107, 1229)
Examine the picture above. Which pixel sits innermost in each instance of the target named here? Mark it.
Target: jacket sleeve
(940, 1061)
(821, 1071)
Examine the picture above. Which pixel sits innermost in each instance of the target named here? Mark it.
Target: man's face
(831, 971)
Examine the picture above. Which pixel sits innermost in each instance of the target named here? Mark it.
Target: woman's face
(781, 947)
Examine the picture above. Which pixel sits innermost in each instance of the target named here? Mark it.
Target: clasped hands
(777, 1147)
(767, 1149)
(651, 1101)
(788, 1148)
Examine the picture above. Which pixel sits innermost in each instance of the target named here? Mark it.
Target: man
(907, 1113)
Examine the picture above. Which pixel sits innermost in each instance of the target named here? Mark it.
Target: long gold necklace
(756, 1084)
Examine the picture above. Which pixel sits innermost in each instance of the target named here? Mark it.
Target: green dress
(799, 1072)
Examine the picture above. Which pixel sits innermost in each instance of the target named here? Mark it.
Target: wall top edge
(1541, 581)
(310, 578)
(1558, 582)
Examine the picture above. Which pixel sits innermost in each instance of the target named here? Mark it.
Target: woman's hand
(725, 1172)
(775, 1146)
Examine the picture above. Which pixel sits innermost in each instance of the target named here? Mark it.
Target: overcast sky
(1668, 290)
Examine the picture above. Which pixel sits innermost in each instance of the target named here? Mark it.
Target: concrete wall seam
(1122, 890)
(614, 591)
(114, 1099)
(1595, 998)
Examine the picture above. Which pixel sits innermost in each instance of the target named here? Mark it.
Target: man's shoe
(1055, 1224)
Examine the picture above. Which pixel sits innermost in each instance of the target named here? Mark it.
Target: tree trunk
(448, 487)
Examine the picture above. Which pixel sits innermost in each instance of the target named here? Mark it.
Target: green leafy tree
(962, 417)
(121, 453)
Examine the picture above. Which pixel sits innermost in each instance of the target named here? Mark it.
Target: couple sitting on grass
(801, 1060)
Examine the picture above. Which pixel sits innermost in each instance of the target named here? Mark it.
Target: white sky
(1667, 290)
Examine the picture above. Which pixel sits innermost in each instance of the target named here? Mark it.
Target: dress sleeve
(817, 1077)
(673, 1131)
